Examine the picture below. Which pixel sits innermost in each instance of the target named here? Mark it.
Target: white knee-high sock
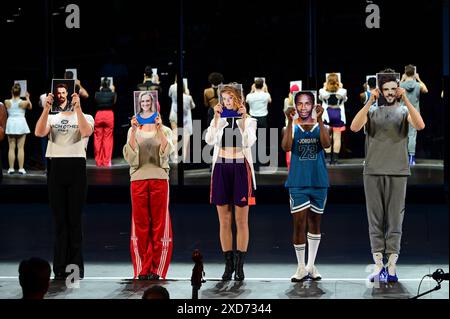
(300, 252)
(313, 246)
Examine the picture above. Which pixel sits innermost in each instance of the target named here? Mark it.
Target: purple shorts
(231, 183)
(334, 114)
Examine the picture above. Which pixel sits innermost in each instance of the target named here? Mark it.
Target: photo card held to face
(145, 106)
(23, 87)
(109, 80)
(74, 73)
(387, 84)
(62, 90)
(338, 75)
(295, 86)
(305, 106)
(231, 97)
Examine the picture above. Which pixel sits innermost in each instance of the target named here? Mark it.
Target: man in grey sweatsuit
(386, 170)
(414, 87)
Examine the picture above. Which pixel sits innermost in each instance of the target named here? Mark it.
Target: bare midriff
(231, 152)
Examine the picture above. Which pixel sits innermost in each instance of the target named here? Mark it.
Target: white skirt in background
(16, 126)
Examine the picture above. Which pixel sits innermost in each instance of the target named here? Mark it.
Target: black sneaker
(153, 277)
(60, 276)
(148, 277)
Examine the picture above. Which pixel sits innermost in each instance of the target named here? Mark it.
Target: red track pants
(151, 229)
(288, 160)
(103, 137)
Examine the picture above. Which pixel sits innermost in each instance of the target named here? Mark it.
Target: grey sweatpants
(385, 202)
(412, 136)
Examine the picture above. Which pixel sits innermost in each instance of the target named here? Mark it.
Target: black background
(241, 39)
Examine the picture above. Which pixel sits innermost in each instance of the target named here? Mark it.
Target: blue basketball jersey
(308, 167)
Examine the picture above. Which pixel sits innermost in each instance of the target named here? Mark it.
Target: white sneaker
(11, 170)
(22, 171)
(313, 273)
(300, 275)
(379, 272)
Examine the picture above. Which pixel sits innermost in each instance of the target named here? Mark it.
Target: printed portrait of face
(228, 100)
(231, 98)
(388, 90)
(61, 94)
(304, 103)
(146, 103)
(388, 84)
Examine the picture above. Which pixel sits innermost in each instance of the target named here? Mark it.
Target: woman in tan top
(147, 151)
(210, 96)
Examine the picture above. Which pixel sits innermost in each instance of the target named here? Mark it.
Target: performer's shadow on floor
(227, 290)
(56, 288)
(393, 290)
(306, 289)
(135, 288)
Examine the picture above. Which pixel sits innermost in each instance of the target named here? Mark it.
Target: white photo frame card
(231, 97)
(145, 106)
(298, 83)
(23, 87)
(62, 90)
(110, 80)
(384, 79)
(370, 76)
(338, 75)
(74, 72)
(305, 105)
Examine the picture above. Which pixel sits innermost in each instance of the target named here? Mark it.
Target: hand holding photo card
(62, 90)
(305, 102)
(387, 84)
(231, 97)
(145, 106)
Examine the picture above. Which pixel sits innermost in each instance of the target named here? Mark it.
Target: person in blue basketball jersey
(307, 180)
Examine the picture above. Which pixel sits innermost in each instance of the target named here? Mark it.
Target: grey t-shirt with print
(387, 139)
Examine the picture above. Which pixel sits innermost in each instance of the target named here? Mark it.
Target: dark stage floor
(347, 173)
(111, 185)
(344, 257)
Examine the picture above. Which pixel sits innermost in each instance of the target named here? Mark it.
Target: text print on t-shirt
(307, 149)
(65, 133)
(64, 126)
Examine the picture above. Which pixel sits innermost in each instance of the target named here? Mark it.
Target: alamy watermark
(73, 279)
(265, 150)
(73, 19)
(373, 19)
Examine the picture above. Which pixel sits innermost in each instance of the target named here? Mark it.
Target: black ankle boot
(327, 158)
(239, 274)
(229, 265)
(335, 158)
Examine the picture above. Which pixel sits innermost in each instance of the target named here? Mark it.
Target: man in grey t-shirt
(386, 171)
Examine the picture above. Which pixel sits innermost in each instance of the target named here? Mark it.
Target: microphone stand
(429, 291)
